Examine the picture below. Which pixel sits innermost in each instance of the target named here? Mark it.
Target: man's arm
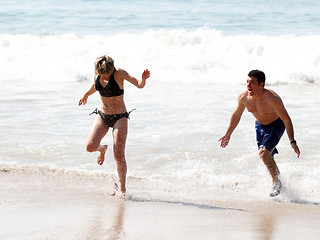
(279, 108)
(234, 121)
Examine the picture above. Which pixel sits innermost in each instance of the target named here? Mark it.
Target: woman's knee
(91, 147)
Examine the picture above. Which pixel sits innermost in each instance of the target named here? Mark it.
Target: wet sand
(29, 209)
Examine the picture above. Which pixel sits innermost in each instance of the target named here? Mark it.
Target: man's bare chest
(256, 106)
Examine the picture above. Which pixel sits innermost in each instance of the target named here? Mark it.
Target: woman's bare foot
(102, 149)
(121, 193)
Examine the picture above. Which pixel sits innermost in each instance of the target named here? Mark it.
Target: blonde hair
(104, 65)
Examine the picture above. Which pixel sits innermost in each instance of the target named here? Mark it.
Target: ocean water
(199, 54)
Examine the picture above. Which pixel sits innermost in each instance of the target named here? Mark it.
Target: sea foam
(204, 55)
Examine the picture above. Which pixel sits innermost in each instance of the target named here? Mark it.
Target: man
(271, 121)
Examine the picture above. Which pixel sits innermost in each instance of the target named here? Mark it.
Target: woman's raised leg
(98, 131)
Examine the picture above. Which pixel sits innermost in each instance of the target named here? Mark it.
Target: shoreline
(36, 211)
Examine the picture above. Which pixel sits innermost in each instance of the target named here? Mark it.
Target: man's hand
(295, 148)
(224, 141)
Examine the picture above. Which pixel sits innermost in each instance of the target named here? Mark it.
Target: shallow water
(172, 139)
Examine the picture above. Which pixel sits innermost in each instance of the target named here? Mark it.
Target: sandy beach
(29, 209)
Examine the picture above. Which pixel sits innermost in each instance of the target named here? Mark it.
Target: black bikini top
(112, 88)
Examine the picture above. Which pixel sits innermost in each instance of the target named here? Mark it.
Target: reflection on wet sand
(113, 230)
(265, 225)
(116, 231)
(285, 221)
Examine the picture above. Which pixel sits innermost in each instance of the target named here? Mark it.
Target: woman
(109, 81)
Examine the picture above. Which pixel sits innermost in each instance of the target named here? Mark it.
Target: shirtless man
(271, 121)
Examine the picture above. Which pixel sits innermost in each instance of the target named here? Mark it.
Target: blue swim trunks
(268, 136)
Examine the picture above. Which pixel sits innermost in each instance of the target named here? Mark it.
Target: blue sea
(199, 53)
(274, 17)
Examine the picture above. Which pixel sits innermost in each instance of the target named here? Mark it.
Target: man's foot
(275, 189)
(102, 150)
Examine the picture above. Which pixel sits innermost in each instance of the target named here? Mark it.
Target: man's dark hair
(259, 75)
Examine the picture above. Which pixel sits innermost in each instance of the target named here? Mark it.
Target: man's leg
(269, 161)
(273, 169)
